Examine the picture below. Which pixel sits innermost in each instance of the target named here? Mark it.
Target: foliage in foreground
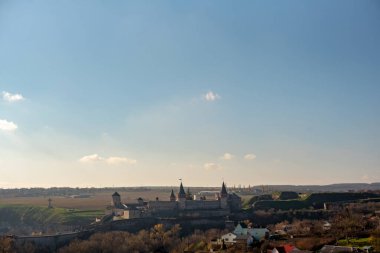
(158, 239)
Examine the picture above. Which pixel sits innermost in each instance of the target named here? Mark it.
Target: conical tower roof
(181, 189)
(172, 195)
(224, 190)
(181, 193)
(116, 194)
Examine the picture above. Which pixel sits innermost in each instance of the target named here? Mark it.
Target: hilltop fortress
(182, 205)
(183, 209)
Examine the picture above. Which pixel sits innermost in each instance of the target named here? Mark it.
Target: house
(288, 248)
(240, 229)
(257, 233)
(244, 236)
(229, 238)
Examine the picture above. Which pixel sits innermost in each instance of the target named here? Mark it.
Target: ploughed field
(97, 201)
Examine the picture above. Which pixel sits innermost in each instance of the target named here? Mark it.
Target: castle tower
(181, 197)
(189, 196)
(172, 196)
(50, 205)
(223, 197)
(116, 201)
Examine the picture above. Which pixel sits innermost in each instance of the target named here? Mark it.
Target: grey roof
(336, 249)
(224, 190)
(181, 191)
(243, 237)
(116, 194)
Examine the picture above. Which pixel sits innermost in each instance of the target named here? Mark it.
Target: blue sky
(120, 93)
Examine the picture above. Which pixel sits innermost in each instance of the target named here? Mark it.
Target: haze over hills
(86, 192)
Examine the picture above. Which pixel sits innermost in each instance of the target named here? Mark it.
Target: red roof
(288, 248)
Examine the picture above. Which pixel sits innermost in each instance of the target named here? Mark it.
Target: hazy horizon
(176, 187)
(96, 93)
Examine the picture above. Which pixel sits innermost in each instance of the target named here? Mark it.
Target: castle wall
(202, 204)
(132, 225)
(199, 213)
(188, 205)
(132, 214)
(162, 205)
(118, 211)
(52, 242)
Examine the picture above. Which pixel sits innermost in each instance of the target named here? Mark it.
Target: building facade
(180, 206)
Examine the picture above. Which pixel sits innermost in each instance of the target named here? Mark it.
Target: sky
(138, 93)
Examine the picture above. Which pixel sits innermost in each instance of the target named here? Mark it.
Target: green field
(38, 215)
(314, 200)
(356, 242)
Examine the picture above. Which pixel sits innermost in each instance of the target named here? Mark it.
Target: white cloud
(91, 158)
(118, 160)
(365, 177)
(7, 126)
(211, 96)
(227, 156)
(12, 97)
(112, 160)
(211, 166)
(250, 157)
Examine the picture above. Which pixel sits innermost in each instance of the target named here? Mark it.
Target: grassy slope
(314, 200)
(356, 242)
(25, 214)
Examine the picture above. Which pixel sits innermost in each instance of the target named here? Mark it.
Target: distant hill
(344, 187)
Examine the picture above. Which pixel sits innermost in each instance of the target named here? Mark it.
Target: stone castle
(182, 205)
